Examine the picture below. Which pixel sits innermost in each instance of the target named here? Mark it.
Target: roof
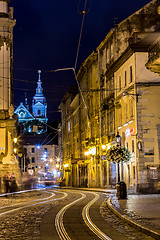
(23, 113)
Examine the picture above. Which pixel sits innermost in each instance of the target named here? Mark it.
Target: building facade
(118, 95)
(8, 122)
(43, 159)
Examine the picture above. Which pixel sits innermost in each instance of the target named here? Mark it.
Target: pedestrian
(6, 181)
(13, 184)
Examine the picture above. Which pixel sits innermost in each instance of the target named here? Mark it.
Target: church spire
(39, 89)
(39, 105)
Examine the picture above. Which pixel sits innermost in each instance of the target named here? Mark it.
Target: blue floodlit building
(34, 122)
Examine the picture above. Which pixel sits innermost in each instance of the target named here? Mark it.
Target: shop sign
(129, 131)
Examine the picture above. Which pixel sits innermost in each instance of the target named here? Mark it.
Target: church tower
(39, 105)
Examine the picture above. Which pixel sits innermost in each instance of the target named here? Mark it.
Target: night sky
(46, 37)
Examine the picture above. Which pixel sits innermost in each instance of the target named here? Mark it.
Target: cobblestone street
(24, 224)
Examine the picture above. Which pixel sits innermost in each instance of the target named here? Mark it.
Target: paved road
(63, 214)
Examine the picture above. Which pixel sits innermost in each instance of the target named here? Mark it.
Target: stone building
(43, 158)
(118, 95)
(8, 122)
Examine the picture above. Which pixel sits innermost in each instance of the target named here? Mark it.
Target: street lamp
(15, 140)
(103, 147)
(15, 150)
(118, 139)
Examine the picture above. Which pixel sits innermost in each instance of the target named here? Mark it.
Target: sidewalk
(144, 210)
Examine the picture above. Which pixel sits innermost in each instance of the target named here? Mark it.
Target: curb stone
(145, 230)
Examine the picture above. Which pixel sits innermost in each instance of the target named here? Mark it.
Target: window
(45, 149)
(132, 146)
(126, 112)
(33, 160)
(69, 126)
(107, 55)
(119, 83)
(127, 145)
(33, 150)
(120, 117)
(131, 74)
(39, 112)
(134, 172)
(125, 78)
(131, 108)
(112, 51)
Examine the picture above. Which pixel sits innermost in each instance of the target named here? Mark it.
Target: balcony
(153, 63)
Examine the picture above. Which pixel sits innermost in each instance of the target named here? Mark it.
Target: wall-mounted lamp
(15, 140)
(118, 139)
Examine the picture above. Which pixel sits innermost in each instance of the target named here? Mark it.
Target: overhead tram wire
(80, 36)
(77, 54)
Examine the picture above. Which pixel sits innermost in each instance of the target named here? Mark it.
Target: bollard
(121, 190)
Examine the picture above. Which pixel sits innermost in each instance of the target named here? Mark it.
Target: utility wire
(83, 13)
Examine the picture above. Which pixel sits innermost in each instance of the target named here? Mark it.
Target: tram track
(88, 221)
(15, 207)
(62, 232)
(59, 219)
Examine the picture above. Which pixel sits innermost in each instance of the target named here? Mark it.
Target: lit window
(112, 51)
(107, 55)
(69, 126)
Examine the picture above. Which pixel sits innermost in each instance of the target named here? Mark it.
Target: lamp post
(121, 186)
(118, 142)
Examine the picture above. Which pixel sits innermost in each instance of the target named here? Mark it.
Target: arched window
(39, 112)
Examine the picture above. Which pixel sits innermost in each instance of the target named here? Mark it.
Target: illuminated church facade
(34, 122)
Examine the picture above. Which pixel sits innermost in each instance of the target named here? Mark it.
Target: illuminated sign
(129, 131)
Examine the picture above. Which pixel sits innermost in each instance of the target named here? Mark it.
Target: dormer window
(3, 7)
(21, 114)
